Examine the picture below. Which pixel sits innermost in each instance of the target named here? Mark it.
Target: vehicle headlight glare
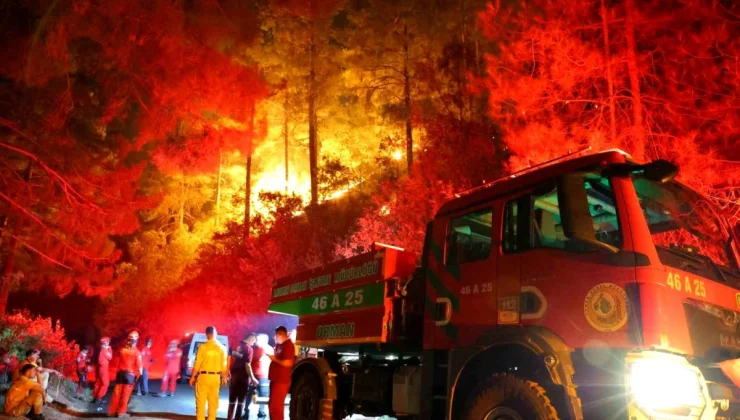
(664, 386)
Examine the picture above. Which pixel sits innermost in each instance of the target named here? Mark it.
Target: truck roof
(528, 177)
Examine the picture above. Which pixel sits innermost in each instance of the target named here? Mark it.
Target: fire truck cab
(591, 287)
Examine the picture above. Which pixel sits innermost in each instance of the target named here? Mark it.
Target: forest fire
(159, 155)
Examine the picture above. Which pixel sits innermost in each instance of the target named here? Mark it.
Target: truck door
(510, 260)
(461, 279)
(574, 289)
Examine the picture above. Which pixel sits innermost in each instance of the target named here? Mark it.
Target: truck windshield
(686, 228)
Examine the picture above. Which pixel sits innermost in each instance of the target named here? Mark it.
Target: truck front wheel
(305, 400)
(506, 397)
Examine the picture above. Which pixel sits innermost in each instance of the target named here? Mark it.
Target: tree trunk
(407, 102)
(181, 213)
(285, 140)
(248, 182)
(248, 199)
(218, 188)
(463, 68)
(477, 57)
(638, 145)
(7, 270)
(5, 277)
(609, 76)
(313, 145)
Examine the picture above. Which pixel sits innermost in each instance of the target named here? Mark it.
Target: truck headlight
(665, 387)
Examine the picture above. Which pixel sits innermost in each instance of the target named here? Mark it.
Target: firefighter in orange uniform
(209, 374)
(171, 369)
(129, 369)
(280, 368)
(82, 361)
(105, 354)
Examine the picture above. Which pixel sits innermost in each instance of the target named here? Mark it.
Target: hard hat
(105, 340)
(133, 335)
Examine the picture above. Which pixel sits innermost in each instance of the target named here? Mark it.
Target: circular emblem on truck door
(605, 307)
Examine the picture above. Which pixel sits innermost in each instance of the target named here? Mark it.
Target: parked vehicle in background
(189, 346)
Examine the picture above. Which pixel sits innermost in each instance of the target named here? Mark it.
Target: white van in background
(189, 346)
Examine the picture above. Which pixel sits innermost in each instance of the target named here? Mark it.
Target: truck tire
(506, 397)
(305, 400)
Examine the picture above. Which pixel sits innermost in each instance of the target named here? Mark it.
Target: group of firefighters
(252, 368)
(132, 373)
(245, 368)
(105, 355)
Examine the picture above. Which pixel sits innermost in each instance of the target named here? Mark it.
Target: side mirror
(574, 212)
(660, 171)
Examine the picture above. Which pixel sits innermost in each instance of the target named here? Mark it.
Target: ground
(181, 406)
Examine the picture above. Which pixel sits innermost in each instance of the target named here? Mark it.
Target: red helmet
(105, 340)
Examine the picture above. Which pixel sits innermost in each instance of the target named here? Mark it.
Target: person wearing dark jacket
(241, 376)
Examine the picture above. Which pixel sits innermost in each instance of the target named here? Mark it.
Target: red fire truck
(590, 287)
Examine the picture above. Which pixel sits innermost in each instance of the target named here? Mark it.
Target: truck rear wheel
(305, 400)
(506, 397)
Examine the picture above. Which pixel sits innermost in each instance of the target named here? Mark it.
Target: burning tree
(655, 81)
(88, 101)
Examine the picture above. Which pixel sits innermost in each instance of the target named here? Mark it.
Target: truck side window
(547, 231)
(533, 221)
(469, 237)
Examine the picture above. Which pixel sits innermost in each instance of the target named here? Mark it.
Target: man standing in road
(261, 370)
(105, 354)
(171, 369)
(241, 376)
(129, 369)
(82, 361)
(209, 373)
(142, 387)
(280, 368)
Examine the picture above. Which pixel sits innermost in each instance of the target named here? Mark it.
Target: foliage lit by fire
(176, 156)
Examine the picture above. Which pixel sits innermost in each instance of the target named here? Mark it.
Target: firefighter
(171, 369)
(129, 369)
(142, 386)
(82, 361)
(42, 373)
(261, 370)
(241, 376)
(105, 354)
(26, 396)
(282, 363)
(210, 362)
